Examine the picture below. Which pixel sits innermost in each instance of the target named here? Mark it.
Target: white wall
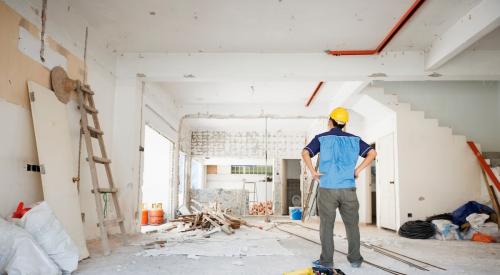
(67, 29)
(470, 108)
(18, 148)
(131, 114)
(435, 171)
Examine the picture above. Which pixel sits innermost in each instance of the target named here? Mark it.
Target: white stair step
(432, 122)
(402, 107)
(418, 114)
(459, 139)
(391, 99)
(446, 130)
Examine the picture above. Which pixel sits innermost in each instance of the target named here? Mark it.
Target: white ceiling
(240, 92)
(282, 26)
(491, 42)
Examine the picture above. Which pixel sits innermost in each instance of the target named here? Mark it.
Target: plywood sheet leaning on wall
(54, 153)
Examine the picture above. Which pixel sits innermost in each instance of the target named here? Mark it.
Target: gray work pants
(347, 203)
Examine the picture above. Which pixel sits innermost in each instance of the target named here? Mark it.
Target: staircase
(493, 158)
(436, 171)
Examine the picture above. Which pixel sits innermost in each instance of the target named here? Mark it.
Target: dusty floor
(253, 251)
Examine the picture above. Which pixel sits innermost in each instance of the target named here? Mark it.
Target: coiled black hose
(417, 230)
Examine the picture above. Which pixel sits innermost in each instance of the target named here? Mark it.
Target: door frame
(379, 184)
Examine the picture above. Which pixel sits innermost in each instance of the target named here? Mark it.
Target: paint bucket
(144, 217)
(156, 216)
(295, 213)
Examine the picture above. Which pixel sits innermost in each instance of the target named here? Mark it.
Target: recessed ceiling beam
(397, 66)
(478, 22)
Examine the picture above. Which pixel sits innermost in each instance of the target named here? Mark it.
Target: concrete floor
(253, 251)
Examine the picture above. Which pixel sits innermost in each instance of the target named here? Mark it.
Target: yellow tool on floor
(305, 271)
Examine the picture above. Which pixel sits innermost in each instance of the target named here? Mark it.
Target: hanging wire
(105, 210)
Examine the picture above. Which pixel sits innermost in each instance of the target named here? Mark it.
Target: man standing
(337, 188)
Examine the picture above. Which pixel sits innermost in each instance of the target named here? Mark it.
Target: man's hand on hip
(316, 175)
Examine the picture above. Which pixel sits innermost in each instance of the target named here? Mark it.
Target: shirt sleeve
(313, 147)
(364, 148)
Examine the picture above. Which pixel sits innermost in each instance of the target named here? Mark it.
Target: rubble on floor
(195, 236)
(261, 208)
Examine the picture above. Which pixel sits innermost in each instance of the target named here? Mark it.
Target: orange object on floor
(480, 237)
(20, 211)
(144, 217)
(156, 216)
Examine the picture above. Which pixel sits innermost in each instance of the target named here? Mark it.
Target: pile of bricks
(259, 208)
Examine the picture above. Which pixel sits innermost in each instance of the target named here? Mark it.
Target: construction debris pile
(472, 221)
(259, 208)
(211, 218)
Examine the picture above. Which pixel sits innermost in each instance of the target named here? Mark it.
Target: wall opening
(157, 176)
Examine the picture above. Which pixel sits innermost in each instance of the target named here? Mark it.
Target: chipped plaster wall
(235, 200)
(251, 145)
(65, 35)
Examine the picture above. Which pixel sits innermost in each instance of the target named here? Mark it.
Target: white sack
(445, 230)
(49, 233)
(20, 255)
(476, 220)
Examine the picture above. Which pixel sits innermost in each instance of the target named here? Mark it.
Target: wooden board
(54, 147)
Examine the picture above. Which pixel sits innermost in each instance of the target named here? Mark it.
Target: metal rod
(388, 270)
(374, 247)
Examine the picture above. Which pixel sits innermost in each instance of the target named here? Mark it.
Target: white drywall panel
(52, 134)
(18, 149)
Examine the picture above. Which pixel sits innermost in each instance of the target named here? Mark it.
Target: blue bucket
(295, 213)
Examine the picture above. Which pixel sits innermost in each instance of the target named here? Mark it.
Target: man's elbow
(305, 153)
(372, 153)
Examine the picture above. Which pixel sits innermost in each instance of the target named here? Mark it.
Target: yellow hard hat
(340, 115)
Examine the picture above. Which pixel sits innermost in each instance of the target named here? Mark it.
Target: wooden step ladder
(87, 107)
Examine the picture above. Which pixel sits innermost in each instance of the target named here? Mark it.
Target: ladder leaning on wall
(87, 107)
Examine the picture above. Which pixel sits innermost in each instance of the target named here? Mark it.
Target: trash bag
(49, 233)
(21, 255)
(460, 215)
(476, 220)
(446, 231)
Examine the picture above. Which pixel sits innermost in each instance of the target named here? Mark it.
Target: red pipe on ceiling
(404, 18)
(314, 93)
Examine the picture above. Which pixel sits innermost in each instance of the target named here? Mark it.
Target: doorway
(291, 185)
(157, 175)
(386, 182)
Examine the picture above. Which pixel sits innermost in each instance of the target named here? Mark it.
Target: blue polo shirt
(339, 155)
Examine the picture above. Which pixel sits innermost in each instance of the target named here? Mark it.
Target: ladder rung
(112, 222)
(94, 132)
(101, 160)
(90, 109)
(106, 190)
(87, 89)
